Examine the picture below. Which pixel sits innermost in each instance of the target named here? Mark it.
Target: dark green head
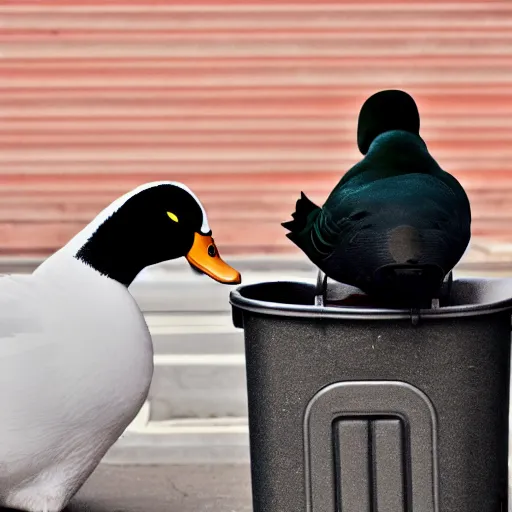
(383, 112)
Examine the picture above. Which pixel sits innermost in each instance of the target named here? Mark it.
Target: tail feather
(303, 208)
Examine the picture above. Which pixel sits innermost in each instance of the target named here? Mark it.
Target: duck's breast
(76, 362)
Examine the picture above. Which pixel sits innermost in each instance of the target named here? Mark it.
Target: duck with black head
(76, 356)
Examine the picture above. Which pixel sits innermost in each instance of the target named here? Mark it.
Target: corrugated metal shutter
(248, 103)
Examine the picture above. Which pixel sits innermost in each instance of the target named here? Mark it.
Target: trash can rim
(236, 299)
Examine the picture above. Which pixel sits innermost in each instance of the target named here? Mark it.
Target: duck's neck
(104, 247)
(111, 258)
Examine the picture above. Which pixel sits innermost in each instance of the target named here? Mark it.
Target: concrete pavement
(214, 441)
(164, 488)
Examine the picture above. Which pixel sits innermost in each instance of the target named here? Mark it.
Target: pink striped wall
(248, 103)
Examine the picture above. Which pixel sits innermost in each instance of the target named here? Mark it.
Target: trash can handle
(321, 289)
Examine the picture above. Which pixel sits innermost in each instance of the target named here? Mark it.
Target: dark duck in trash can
(396, 224)
(76, 356)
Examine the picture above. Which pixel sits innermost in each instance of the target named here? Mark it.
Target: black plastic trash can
(363, 409)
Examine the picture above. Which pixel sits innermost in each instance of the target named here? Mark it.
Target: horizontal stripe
(199, 359)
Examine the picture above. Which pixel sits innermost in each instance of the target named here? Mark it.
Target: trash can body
(356, 410)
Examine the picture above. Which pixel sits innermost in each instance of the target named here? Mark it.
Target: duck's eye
(211, 250)
(172, 216)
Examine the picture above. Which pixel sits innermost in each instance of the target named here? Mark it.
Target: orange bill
(205, 257)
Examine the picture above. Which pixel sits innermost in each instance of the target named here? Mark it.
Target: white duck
(76, 357)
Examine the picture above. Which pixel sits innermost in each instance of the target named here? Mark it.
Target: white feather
(76, 362)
